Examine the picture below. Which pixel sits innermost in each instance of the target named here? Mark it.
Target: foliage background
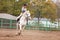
(38, 8)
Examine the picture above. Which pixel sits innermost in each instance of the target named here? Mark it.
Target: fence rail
(32, 25)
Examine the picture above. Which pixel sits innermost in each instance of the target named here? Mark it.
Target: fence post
(10, 23)
(1, 23)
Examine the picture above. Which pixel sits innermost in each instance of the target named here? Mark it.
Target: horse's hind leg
(17, 26)
(20, 29)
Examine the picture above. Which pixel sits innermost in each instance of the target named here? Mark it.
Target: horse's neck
(23, 15)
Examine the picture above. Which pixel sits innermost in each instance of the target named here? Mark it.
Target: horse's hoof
(18, 34)
(7, 36)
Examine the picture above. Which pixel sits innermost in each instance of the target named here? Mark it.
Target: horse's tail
(18, 18)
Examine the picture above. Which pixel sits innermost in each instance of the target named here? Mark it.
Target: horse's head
(28, 15)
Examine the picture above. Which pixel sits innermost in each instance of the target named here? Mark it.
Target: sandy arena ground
(10, 34)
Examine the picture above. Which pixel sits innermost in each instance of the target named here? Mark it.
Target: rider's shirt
(24, 9)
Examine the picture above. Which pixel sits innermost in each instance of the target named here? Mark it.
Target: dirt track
(29, 35)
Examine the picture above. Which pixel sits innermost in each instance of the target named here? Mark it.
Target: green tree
(3, 5)
(45, 9)
(12, 6)
(38, 8)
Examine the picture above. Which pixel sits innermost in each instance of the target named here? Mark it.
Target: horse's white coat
(23, 20)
